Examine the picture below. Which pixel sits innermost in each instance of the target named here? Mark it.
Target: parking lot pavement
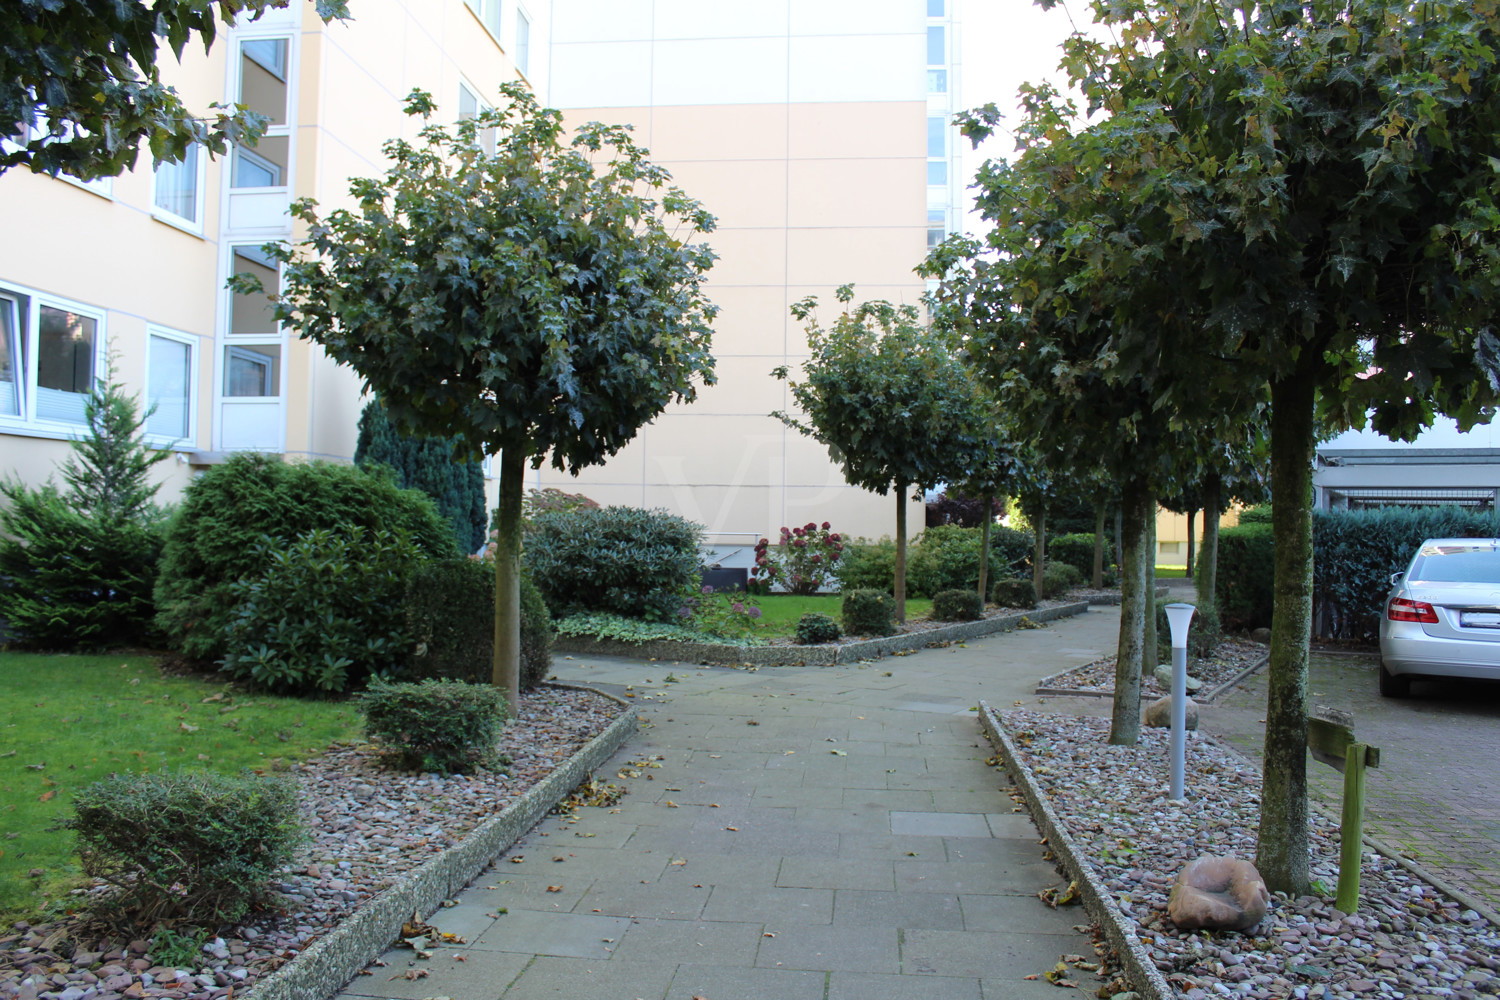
(1436, 794)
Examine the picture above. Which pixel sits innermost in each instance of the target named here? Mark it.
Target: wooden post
(1351, 828)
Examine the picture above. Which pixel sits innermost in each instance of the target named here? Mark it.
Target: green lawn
(74, 719)
(1171, 571)
(779, 612)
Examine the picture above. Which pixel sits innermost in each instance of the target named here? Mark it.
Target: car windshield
(1456, 564)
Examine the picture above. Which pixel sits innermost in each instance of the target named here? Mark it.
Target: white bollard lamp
(1179, 616)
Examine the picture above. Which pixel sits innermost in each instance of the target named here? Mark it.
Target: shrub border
(322, 969)
(807, 656)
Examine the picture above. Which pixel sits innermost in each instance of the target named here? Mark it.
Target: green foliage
(324, 613)
(868, 565)
(619, 628)
(957, 606)
(947, 558)
(1059, 578)
(450, 610)
(431, 465)
(176, 950)
(194, 846)
(1012, 547)
(445, 726)
(722, 614)
(624, 560)
(551, 500)
(1076, 550)
(806, 559)
(536, 636)
(869, 612)
(1358, 550)
(77, 566)
(1247, 569)
(86, 75)
(814, 628)
(212, 541)
(1014, 593)
(1259, 514)
(1204, 634)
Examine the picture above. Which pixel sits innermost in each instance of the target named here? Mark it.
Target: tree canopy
(541, 301)
(82, 79)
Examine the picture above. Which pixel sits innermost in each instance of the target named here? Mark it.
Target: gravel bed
(1233, 656)
(367, 826)
(1407, 940)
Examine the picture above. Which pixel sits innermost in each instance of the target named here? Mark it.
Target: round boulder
(1159, 713)
(1221, 894)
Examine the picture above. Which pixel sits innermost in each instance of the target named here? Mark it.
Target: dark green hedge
(1076, 550)
(1247, 566)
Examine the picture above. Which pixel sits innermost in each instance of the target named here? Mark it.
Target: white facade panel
(871, 68)
(720, 71)
(858, 17)
(720, 19)
(601, 75)
(602, 21)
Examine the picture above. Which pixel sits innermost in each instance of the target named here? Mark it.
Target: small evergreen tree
(77, 566)
(429, 465)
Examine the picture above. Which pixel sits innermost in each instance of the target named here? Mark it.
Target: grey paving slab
(939, 824)
(836, 873)
(703, 942)
(874, 798)
(886, 846)
(864, 986)
(1007, 911)
(833, 949)
(721, 869)
(973, 876)
(798, 844)
(770, 906)
(705, 981)
(527, 894)
(632, 898)
(864, 908)
(576, 979)
(1007, 852)
(981, 954)
(473, 980)
(537, 932)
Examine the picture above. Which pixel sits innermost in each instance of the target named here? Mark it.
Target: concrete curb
(1137, 962)
(323, 968)
(1206, 699)
(807, 656)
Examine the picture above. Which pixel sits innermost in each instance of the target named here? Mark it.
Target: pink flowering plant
(803, 562)
(725, 613)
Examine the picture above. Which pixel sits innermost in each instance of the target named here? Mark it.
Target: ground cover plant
(780, 614)
(73, 720)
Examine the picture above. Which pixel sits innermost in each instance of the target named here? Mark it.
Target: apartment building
(815, 130)
(133, 268)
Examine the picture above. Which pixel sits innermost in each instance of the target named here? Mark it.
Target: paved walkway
(822, 833)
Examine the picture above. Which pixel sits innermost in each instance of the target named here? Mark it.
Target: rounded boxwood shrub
(813, 628)
(1059, 578)
(869, 612)
(450, 614)
(1014, 593)
(957, 606)
(194, 846)
(623, 560)
(212, 539)
(435, 725)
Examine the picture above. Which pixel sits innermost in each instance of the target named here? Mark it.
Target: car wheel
(1393, 685)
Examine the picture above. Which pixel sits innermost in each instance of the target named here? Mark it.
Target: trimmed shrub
(813, 628)
(1259, 514)
(427, 464)
(869, 612)
(192, 846)
(450, 615)
(325, 613)
(623, 560)
(1247, 566)
(1204, 633)
(1075, 550)
(1013, 593)
(945, 558)
(957, 606)
(212, 541)
(445, 726)
(868, 565)
(1059, 578)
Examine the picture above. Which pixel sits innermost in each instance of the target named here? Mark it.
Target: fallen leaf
(411, 974)
(47, 795)
(517, 859)
(187, 727)
(839, 753)
(768, 934)
(36, 767)
(1032, 976)
(734, 828)
(671, 804)
(554, 888)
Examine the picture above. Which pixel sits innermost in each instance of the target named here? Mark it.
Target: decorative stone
(1159, 713)
(1261, 635)
(1163, 674)
(1218, 894)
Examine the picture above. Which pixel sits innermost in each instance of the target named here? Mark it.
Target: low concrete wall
(808, 656)
(333, 959)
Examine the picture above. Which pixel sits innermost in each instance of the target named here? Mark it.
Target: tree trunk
(1099, 545)
(1039, 550)
(1208, 559)
(1125, 718)
(1281, 852)
(901, 553)
(1188, 571)
(1150, 655)
(1120, 538)
(507, 663)
(984, 546)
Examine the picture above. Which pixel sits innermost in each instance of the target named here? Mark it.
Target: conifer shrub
(200, 847)
(446, 726)
(957, 606)
(1059, 578)
(450, 614)
(624, 560)
(213, 539)
(869, 612)
(1013, 593)
(814, 628)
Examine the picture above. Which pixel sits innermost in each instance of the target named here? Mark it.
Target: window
(263, 88)
(253, 315)
(35, 125)
(470, 106)
(937, 173)
(169, 386)
(252, 370)
(937, 138)
(937, 81)
(936, 50)
(523, 42)
(252, 357)
(179, 189)
(488, 12)
(936, 8)
(937, 227)
(49, 350)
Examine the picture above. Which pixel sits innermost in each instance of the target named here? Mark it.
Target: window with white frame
(488, 12)
(252, 370)
(523, 42)
(35, 125)
(252, 354)
(169, 385)
(179, 190)
(263, 87)
(49, 352)
(470, 106)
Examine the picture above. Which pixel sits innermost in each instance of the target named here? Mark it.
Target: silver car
(1442, 616)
